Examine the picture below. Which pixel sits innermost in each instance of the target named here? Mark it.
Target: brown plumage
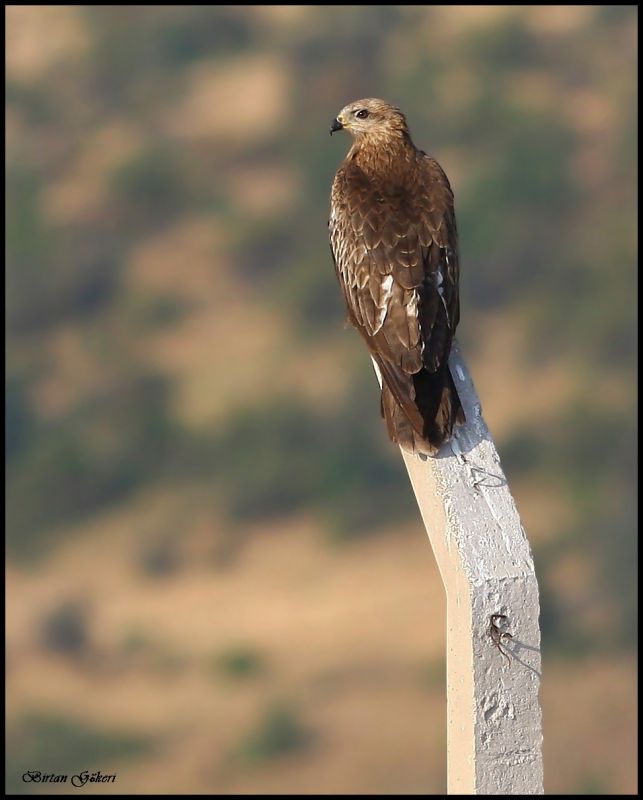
(395, 246)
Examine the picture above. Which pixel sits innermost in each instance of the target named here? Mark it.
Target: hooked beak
(335, 125)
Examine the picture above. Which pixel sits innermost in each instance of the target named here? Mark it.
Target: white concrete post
(494, 727)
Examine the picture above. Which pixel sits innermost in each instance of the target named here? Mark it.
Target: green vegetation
(138, 648)
(160, 558)
(291, 458)
(65, 629)
(54, 744)
(279, 733)
(238, 663)
(107, 447)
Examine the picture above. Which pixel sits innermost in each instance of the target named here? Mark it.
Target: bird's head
(370, 118)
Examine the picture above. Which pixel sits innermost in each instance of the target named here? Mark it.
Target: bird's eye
(362, 114)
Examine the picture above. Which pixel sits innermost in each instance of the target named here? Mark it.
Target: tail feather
(437, 400)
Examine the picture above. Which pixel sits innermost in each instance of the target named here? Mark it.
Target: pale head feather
(372, 118)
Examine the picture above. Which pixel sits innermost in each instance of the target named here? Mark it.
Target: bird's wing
(395, 254)
(440, 306)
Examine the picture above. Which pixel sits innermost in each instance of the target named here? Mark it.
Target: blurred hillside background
(218, 580)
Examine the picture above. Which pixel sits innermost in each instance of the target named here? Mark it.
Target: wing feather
(396, 258)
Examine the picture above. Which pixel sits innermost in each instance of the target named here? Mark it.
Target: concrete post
(494, 736)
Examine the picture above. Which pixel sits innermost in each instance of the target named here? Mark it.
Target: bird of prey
(395, 247)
